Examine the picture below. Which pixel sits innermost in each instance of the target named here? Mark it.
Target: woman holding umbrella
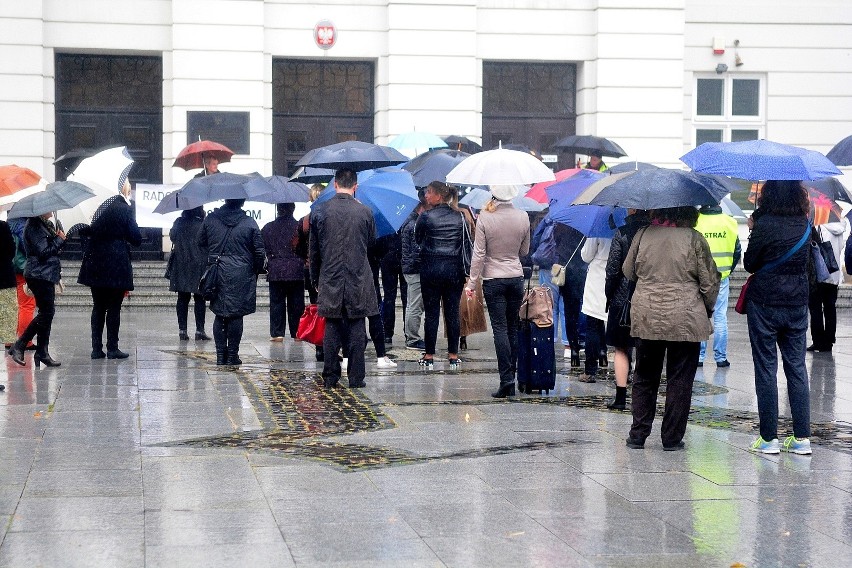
(107, 270)
(42, 273)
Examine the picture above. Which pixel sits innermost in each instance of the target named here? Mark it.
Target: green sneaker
(762, 446)
(801, 446)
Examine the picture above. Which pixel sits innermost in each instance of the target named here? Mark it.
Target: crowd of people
(655, 293)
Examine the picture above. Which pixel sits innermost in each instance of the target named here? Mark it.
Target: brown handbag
(537, 306)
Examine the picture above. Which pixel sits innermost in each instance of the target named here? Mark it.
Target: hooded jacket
(241, 258)
(189, 259)
(835, 234)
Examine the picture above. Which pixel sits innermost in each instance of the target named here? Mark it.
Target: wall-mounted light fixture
(721, 68)
(737, 59)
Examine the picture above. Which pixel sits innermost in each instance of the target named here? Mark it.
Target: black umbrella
(841, 154)
(284, 191)
(520, 148)
(658, 188)
(59, 195)
(629, 167)
(831, 188)
(207, 189)
(307, 174)
(433, 165)
(587, 144)
(462, 144)
(354, 155)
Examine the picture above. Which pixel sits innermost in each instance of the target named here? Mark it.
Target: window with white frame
(729, 108)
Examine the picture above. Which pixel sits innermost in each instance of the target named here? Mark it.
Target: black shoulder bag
(208, 286)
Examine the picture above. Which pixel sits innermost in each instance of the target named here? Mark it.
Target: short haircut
(286, 208)
(686, 216)
(346, 178)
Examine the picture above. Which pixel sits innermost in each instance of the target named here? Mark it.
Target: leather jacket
(438, 232)
(43, 247)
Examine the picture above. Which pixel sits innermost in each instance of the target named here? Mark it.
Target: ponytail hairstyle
(445, 191)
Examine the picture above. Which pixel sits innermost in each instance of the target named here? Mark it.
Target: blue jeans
(544, 278)
(786, 326)
(720, 324)
(503, 297)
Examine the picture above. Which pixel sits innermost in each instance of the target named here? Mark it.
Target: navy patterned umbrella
(759, 160)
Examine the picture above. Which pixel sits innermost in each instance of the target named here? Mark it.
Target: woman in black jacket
(233, 238)
(186, 266)
(8, 293)
(106, 269)
(616, 290)
(438, 232)
(42, 273)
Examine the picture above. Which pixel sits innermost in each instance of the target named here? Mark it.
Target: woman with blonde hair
(439, 233)
(502, 238)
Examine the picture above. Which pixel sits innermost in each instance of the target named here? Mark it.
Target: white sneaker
(385, 363)
(344, 365)
(567, 353)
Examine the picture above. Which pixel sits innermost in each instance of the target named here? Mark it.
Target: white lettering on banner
(549, 158)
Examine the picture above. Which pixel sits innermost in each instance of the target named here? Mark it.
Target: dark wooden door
(107, 101)
(317, 103)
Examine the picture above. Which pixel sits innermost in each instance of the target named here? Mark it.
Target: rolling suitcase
(536, 358)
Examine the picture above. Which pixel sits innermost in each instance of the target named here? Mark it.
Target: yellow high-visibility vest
(720, 231)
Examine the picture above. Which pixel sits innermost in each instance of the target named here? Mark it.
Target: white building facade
(656, 76)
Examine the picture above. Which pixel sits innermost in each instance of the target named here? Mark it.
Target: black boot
(183, 335)
(232, 357)
(575, 357)
(620, 400)
(506, 389)
(16, 352)
(220, 356)
(46, 359)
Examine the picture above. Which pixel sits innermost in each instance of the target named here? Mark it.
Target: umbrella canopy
(629, 167)
(477, 197)
(587, 144)
(434, 165)
(841, 154)
(59, 195)
(759, 159)
(655, 189)
(832, 188)
(208, 189)
(17, 182)
(567, 190)
(417, 140)
(105, 174)
(462, 144)
(597, 221)
(537, 191)
(520, 148)
(500, 167)
(284, 191)
(354, 155)
(192, 156)
(308, 174)
(390, 194)
(731, 208)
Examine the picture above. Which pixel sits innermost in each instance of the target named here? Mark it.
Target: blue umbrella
(389, 193)
(628, 167)
(568, 189)
(352, 154)
(759, 159)
(433, 165)
(207, 189)
(417, 140)
(591, 220)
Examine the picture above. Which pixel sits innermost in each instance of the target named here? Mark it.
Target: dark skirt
(616, 335)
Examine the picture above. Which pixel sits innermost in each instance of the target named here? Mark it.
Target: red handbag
(311, 326)
(740, 307)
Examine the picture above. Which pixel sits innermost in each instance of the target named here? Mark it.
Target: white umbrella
(105, 174)
(500, 167)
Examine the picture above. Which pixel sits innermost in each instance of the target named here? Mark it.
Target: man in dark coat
(106, 269)
(341, 232)
(286, 274)
(233, 240)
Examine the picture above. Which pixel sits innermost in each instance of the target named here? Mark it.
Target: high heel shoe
(427, 364)
(17, 354)
(46, 359)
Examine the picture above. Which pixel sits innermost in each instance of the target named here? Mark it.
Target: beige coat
(676, 284)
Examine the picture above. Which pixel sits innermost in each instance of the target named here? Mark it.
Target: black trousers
(182, 308)
(286, 298)
(106, 308)
(434, 292)
(504, 297)
(227, 334)
(351, 335)
(595, 344)
(391, 279)
(44, 292)
(681, 364)
(822, 306)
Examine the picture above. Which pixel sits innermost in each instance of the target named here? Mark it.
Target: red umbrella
(192, 157)
(17, 182)
(538, 192)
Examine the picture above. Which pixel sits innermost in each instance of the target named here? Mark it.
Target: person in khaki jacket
(676, 288)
